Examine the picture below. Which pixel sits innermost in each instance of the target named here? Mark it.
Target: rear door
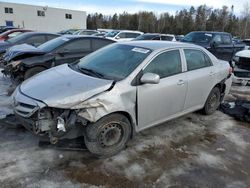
(200, 76)
(73, 50)
(159, 102)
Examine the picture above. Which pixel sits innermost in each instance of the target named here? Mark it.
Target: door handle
(180, 82)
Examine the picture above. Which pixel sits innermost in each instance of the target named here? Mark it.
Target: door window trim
(185, 60)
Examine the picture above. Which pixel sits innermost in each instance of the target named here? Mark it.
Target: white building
(41, 18)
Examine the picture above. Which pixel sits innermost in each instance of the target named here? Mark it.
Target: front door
(159, 102)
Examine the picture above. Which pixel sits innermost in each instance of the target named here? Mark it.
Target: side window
(50, 37)
(11, 35)
(226, 39)
(36, 40)
(168, 38)
(78, 46)
(218, 39)
(122, 35)
(156, 38)
(196, 59)
(165, 64)
(132, 35)
(99, 43)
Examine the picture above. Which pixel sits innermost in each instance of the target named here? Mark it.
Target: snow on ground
(191, 151)
(4, 99)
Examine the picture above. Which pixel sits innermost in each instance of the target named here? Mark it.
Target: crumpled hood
(21, 49)
(62, 87)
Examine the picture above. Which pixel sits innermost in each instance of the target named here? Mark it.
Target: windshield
(16, 39)
(53, 44)
(112, 34)
(115, 61)
(198, 37)
(146, 37)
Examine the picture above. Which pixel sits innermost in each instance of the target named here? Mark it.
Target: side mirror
(117, 37)
(150, 78)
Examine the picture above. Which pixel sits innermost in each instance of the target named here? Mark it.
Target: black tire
(33, 71)
(213, 101)
(98, 135)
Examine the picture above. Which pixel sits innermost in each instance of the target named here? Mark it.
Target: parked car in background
(123, 35)
(86, 32)
(119, 90)
(6, 28)
(218, 43)
(247, 43)
(242, 67)
(12, 33)
(31, 38)
(99, 34)
(179, 37)
(156, 36)
(23, 61)
(68, 31)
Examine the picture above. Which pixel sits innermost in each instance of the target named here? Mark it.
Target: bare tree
(246, 18)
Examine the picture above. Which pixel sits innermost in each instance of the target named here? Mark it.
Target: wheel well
(221, 86)
(127, 115)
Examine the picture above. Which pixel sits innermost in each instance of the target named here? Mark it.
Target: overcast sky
(131, 6)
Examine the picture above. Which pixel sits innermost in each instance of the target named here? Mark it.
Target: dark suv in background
(218, 43)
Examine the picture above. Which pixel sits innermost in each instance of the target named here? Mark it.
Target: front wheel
(109, 135)
(213, 101)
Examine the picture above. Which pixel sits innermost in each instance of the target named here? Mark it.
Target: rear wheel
(33, 71)
(213, 101)
(109, 135)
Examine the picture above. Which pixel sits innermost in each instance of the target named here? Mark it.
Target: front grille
(243, 63)
(242, 74)
(25, 110)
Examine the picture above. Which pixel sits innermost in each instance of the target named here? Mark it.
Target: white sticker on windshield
(207, 34)
(140, 50)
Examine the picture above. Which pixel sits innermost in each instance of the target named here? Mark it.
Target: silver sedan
(121, 89)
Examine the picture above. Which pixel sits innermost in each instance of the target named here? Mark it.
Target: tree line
(182, 22)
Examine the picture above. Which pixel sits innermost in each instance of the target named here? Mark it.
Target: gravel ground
(191, 151)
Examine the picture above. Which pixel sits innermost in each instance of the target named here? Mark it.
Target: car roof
(212, 32)
(39, 33)
(157, 45)
(85, 36)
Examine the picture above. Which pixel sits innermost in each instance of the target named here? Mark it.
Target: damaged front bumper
(241, 76)
(36, 117)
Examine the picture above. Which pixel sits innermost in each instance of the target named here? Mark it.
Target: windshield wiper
(91, 72)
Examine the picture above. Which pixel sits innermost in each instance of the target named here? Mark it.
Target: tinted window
(218, 39)
(226, 39)
(132, 35)
(146, 37)
(122, 35)
(53, 44)
(98, 43)
(50, 37)
(168, 38)
(165, 64)
(36, 40)
(78, 45)
(198, 37)
(196, 59)
(156, 38)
